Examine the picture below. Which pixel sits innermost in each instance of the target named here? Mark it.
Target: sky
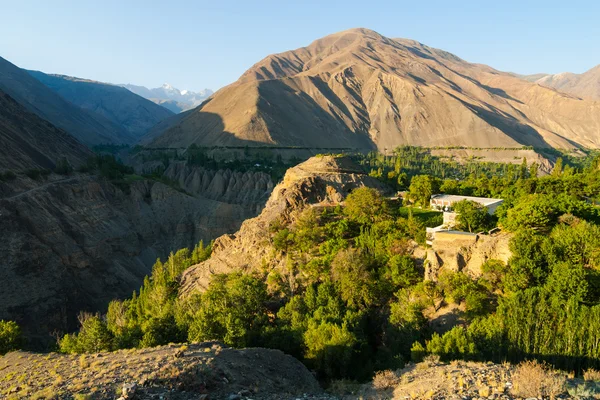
(208, 44)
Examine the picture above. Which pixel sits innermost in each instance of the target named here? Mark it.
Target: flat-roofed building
(445, 203)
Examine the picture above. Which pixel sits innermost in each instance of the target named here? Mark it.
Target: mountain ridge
(170, 97)
(585, 85)
(88, 127)
(119, 105)
(360, 89)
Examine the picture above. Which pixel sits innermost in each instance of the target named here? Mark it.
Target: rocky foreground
(207, 370)
(211, 370)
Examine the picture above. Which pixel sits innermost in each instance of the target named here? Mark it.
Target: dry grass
(387, 379)
(533, 379)
(343, 387)
(591, 375)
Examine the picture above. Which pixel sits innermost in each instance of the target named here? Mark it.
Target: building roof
(455, 198)
(447, 232)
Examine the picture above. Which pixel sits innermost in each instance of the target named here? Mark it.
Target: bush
(417, 352)
(7, 176)
(93, 337)
(63, 167)
(454, 344)
(37, 173)
(10, 336)
(387, 379)
(533, 379)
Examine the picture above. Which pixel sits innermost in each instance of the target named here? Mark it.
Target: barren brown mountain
(359, 89)
(586, 85)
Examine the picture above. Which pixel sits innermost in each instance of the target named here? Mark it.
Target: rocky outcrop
(467, 253)
(73, 244)
(324, 179)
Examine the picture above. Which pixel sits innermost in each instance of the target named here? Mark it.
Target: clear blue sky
(198, 44)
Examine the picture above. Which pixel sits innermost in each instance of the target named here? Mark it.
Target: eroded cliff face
(75, 244)
(466, 254)
(319, 180)
(246, 188)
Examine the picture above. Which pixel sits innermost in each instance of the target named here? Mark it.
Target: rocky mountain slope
(27, 141)
(324, 179)
(359, 89)
(585, 85)
(117, 104)
(199, 371)
(88, 127)
(73, 244)
(170, 97)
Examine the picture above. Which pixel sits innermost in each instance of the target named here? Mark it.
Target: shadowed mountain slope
(359, 89)
(88, 127)
(27, 141)
(119, 105)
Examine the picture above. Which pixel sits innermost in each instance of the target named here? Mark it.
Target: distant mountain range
(171, 98)
(87, 126)
(360, 89)
(122, 107)
(585, 85)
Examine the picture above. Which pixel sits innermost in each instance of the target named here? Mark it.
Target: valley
(206, 245)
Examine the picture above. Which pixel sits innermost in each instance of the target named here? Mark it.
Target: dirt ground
(177, 372)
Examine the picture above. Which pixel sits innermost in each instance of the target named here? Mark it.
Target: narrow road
(16, 196)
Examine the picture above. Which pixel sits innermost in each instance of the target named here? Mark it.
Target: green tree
(233, 310)
(365, 205)
(93, 337)
(10, 336)
(63, 167)
(523, 169)
(421, 188)
(471, 216)
(558, 167)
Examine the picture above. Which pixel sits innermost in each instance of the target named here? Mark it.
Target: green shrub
(417, 352)
(7, 176)
(63, 167)
(93, 337)
(10, 336)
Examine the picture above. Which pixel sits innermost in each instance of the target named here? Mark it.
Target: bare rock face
(75, 244)
(467, 255)
(246, 188)
(325, 179)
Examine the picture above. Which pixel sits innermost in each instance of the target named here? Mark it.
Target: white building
(444, 202)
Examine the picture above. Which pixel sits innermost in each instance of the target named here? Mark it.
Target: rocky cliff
(467, 253)
(72, 244)
(318, 180)
(247, 188)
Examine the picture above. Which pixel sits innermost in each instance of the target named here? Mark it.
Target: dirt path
(45, 185)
